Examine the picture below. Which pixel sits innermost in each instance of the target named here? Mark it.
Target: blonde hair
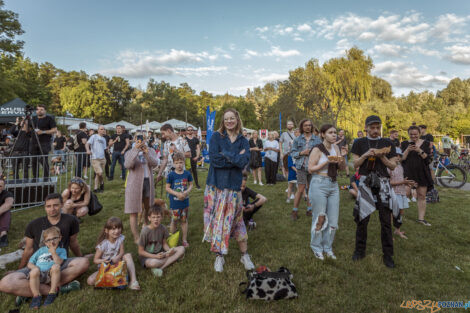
(239, 128)
(53, 230)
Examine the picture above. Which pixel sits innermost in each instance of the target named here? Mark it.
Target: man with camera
(44, 126)
(373, 155)
(21, 130)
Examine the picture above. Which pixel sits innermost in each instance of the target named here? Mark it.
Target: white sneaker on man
(292, 197)
(318, 255)
(245, 259)
(219, 264)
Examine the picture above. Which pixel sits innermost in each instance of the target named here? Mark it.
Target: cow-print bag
(270, 285)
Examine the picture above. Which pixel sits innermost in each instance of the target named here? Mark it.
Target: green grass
(425, 263)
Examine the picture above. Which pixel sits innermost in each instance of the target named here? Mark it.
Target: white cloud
(448, 25)
(390, 50)
(277, 52)
(145, 64)
(459, 54)
(405, 75)
(298, 39)
(304, 28)
(424, 51)
(273, 77)
(250, 53)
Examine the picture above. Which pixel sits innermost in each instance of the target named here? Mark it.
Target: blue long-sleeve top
(226, 162)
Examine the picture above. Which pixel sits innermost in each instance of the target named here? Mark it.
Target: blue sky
(229, 46)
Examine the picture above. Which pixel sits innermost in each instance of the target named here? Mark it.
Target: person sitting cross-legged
(16, 283)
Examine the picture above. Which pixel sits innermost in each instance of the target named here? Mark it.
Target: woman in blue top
(229, 153)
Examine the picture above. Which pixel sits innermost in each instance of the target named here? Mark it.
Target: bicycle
(464, 160)
(449, 175)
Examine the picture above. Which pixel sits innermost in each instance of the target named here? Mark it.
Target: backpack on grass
(270, 285)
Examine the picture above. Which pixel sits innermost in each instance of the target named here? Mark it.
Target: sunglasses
(77, 181)
(51, 239)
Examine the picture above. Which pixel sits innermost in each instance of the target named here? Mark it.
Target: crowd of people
(385, 173)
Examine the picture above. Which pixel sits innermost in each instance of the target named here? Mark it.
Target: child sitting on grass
(154, 251)
(45, 267)
(178, 185)
(110, 249)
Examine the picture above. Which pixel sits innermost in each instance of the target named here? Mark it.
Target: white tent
(177, 124)
(151, 126)
(112, 126)
(89, 125)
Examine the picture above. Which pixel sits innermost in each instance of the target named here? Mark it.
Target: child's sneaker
(287, 200)
(157, 272)
(245, 259)
(219, 264)
(292, 197)
(35, 303)
(50, 298)
(73, 285)
(185, 244)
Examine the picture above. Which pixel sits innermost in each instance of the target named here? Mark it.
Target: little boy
(154, 251)
(291, 179)
(45, 267)
(400, 186)
(178, 185)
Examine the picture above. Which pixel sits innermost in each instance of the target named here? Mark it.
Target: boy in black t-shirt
(369, 158)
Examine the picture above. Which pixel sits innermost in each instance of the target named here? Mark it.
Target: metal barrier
(32, 177)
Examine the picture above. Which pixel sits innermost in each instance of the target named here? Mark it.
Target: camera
(28, 110)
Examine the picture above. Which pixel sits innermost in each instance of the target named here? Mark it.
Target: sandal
(135, 285)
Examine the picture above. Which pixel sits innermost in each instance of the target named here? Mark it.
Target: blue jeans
(324, 197)
(117, 156)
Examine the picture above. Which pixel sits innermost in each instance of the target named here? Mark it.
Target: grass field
(425, 263)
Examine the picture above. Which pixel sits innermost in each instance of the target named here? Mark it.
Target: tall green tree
(10, 27)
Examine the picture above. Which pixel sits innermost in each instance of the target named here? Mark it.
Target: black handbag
(94, 206)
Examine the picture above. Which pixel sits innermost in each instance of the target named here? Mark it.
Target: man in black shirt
(16, 283)
(120, 142)
(21, 148)
(44, 126)
(107, 154)
(250, 208)
(82, 157)
(369, 159)
(195, 148)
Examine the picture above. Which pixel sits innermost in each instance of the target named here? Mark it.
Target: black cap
(373, 119)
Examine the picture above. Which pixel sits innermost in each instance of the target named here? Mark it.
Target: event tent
(177, 124)
(112, 126)
(151, 126)
(89, 125)
(11, 110)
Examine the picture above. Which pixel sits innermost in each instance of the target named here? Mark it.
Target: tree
(10, 27)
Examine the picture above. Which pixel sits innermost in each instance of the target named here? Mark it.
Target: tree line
(341, 91)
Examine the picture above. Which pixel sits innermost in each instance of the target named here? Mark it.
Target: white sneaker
(219, 264)
(331, 255)
(287, 190)
(318, 255)
(255, 182)
(413, 199)
(245, 259)
(292, 197)
(288, 200)
(261, 184)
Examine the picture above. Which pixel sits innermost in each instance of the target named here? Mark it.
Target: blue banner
(210, 119)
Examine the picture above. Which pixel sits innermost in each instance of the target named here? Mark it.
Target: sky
(229, 46)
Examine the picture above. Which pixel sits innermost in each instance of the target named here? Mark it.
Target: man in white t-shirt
(173, 143)
(96, 146)
(285, 142)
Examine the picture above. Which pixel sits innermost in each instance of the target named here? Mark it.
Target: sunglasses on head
(77, 181)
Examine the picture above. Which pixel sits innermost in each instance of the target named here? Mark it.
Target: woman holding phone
(416, 159)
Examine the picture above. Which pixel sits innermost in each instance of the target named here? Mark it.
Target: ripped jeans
(324, 198)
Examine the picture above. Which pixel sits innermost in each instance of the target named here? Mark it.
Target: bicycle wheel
(452, 176)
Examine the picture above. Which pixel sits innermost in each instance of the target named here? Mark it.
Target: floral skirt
(223, 218)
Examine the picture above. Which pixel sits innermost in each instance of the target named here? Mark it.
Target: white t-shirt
(110, 250)
(97, 146)
(270, 154)
(180, 145)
